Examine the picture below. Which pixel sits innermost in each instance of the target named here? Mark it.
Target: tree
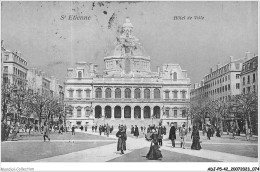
(6, 93)
(246, 105)
(37, 103)
(19, 101)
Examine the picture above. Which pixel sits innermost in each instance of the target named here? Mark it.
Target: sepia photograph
(159, 85)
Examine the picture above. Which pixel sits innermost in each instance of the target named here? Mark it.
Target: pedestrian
(160, 134)
(95, 128)
(111, 129)
(30, 128)
(164, 130)
(15, 131)
(108, 130)
(195, 136)
(81, 128)
(104, 129)
(132, 129)
(100, 129)
(142, 129)
(154, 151)
(209, 133)
(73, 130)
(121, 144)
(46, 132)
(136, 132)
(218, 132)
(172, 135)
(189, 129)
(183, 135)
(61, 129)
(86, 128)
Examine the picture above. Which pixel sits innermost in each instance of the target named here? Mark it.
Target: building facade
(219, 84)
(127, 91)
(14, 68)
(249, 81)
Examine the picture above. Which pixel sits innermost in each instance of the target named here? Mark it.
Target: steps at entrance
(127, 122)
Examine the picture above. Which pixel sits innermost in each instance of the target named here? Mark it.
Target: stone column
(132, 113)
(113, 93)
(142, 113)
(151, 93)
(132, 93)
(151, 112)
(122, 93)
(103, 92)
(103, 112)
(122, 113)
(93, 112)
(112, 113)
(142, 93)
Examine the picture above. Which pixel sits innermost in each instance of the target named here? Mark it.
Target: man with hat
(172, 135)
(121, 144)
(183, 135)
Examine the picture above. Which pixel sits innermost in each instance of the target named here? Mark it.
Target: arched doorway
(117, 112)
(108, 112)
(157, 112)
(127, 112)
(98, 112)
(137, 112)
(147, 112)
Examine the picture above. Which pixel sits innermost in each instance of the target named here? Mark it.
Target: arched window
(79, 74)
(157, 93)
(146, 93)
(137, 93)
(127, 93)
(98, 93)
(108, 93)
(175, 76)
(118, 93)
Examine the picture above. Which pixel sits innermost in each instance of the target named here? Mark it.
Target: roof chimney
(218, 65)
(248, 55)
(231, 59)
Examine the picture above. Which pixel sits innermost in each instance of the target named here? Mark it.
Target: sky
(52, 43)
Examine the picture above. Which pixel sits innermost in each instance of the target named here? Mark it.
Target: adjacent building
(127, 91)
(14, 68)
(249, 81)
(219, 84)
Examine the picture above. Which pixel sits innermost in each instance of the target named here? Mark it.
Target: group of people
(135, 131)
(107, 129)
(183, 131)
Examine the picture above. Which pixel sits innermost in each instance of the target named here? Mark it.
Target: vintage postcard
(159, 85)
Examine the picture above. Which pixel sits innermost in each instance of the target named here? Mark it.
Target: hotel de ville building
(127, 92)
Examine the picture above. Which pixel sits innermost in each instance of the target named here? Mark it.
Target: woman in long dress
(154, 152)
(121, 144)
(195, 136)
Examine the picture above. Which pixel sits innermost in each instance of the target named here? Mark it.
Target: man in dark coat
(132, 129)
(100, 129)
(136, 133)
(172, 134)
(46, 132)
(73, 130)
(160, 134)
(209, 133)
(121, 144)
